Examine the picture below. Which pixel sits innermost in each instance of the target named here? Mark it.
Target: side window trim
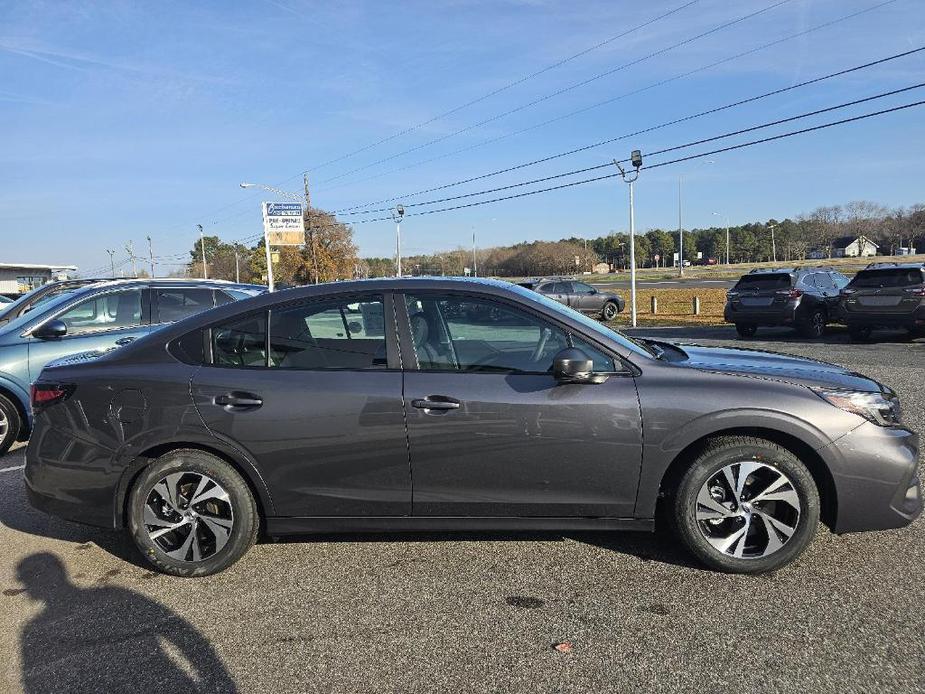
(407, 344)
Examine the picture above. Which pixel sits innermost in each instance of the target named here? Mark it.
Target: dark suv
(805, 299)
(578, 295)
(885, 295)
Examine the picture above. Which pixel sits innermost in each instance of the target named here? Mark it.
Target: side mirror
(571, 365)
(52, 330)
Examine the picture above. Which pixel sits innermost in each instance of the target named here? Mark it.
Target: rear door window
(241, 343)
(769, 282)
(338, 334)
(173, 304)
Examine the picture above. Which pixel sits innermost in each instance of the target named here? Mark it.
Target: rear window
(764, 282)
(885, 278)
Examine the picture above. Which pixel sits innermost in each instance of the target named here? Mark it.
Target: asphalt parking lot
(445, 613)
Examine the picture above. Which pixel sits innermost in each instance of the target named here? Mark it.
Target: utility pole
(398, 215)
(773, 244)
(680, 234)
(130, 248)
(308, 224)
(726, 217)
(150, 255)
(112, 263)
(202, 246)
(636, 160)
(237, 268)
(475, 260)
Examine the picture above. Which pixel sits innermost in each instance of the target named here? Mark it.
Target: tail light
(916, 291)
(47, 394)
(790, 293)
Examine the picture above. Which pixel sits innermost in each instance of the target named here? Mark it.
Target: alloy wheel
(610, 312)
(189, 516)
(748, 510)
(4, 425)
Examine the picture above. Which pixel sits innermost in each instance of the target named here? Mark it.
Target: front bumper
(875, 472)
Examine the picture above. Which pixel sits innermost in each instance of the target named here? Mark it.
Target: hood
(780, 367)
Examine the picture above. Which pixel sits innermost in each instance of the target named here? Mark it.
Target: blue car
(93, 318)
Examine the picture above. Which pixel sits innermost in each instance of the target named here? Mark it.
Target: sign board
(282, 223)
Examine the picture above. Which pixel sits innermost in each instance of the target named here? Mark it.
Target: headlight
(880, 408)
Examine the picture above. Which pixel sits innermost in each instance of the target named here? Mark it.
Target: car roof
(788, 270)
(895, 266)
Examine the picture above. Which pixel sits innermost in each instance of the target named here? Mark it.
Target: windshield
(882, 279)
(629, 343)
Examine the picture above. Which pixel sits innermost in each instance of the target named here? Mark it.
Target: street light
(636, 160)
(727, 234)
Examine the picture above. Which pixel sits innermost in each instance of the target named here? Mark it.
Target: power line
(657, 152)
(506, 87)
(563, 90)
(672, 161)
(634, 92)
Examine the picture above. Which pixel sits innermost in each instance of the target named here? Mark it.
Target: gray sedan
(578, 295)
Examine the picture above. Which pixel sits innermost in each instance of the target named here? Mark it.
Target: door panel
(315, 404)
(327, 443)
(492, 433)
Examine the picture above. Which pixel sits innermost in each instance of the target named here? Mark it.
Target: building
(19, 278)
(854, 247)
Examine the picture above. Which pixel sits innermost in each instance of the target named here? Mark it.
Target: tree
(661, 243)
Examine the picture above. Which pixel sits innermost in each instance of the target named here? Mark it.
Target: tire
(859, 333)
(916, 332)
(10, 424)
(610, 311)
(746, 329)
(814, 326)
(172, 552)
(769, 465)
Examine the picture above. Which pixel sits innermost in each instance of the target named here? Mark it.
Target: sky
(122, 120)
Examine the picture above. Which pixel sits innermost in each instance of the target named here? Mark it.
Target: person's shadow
(109, 639)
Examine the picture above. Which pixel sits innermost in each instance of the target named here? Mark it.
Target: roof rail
(884, 263)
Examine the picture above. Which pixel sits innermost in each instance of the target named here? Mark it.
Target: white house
(854, 247)
(19, 278)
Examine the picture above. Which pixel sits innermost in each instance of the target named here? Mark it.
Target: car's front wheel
(746, 505)
(10, 422)
(191, 514)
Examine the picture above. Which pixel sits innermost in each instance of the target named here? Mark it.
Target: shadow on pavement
(109, 639)
(646, 546)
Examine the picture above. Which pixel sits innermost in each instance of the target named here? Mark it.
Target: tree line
(331, 254)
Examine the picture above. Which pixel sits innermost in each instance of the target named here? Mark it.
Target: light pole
(202, 247)
(475, 261)
(727, 234)
(150, 255)
(636, 160)
(112, 263)
(398, 214)
(773, 244)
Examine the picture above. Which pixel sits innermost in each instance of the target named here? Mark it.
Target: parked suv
(885, 295)
(578, 295)
(805, 299)
(97, 317)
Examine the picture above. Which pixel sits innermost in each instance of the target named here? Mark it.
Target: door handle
(238, 401)
(436, 402)
(122, 341)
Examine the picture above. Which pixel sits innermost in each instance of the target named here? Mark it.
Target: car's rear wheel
(746, 505)
(859, 333)
(191, 514)
(814, 325)
(10, 422)
(610, 311)
(746, 329)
